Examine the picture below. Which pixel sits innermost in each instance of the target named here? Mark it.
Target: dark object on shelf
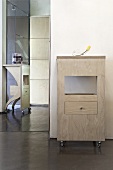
(17, 58)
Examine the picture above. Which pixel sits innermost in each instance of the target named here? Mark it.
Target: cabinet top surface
(14, 65)
(81, 57)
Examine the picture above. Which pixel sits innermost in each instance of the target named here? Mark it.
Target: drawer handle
(81, 108)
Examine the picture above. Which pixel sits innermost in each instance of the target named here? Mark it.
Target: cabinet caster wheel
(61, 143)
(23, 113)
(99, 144)
(29, 110)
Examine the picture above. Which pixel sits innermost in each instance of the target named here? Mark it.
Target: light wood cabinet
(80, 115)
(21, 91)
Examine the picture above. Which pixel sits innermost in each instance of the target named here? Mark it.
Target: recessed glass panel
(80, 85)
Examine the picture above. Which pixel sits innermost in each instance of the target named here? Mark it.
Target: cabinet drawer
(80, 107)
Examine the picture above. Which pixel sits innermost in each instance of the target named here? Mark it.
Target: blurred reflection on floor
(38, 120)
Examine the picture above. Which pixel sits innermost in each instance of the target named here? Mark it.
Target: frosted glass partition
(17, 31)
(17, 35)
(80, 85)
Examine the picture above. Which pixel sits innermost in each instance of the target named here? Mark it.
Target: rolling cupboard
(20, 91)
(80, 98)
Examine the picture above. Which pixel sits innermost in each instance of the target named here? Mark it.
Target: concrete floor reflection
(38, 120)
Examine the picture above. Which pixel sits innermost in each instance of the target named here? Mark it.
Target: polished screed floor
(38, 120)
(27, 149)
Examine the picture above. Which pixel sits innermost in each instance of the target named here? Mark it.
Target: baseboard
(39, 105)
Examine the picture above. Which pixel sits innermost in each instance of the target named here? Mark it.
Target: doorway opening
(28, 33)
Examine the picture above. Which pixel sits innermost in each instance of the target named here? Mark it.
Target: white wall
(75, 24)
(0, 27)
(2, 53)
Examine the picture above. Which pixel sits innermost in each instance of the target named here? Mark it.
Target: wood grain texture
(81, 57)
(84, 126)
(84, 67)
(80, 108)
(80, 98)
